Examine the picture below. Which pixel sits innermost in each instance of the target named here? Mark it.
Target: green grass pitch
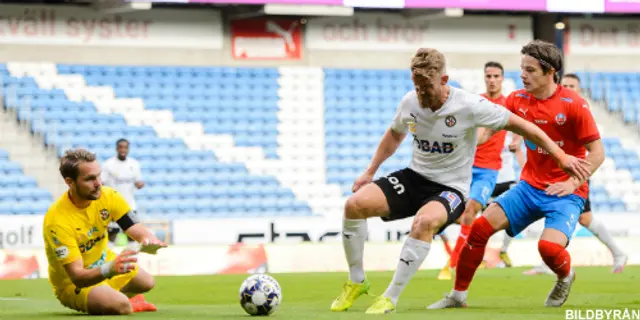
(495, 294)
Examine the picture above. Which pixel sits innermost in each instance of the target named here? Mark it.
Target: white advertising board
(604, 36)
(312, 257)
(18, 231)
(393, 32)
(320, 229)
(64, 25)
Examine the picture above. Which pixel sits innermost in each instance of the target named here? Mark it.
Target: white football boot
(449, 301)
(560, 292)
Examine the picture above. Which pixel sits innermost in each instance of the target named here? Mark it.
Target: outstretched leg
(427, 222)
(369, 201)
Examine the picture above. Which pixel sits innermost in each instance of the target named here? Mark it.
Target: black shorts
(587, 203)
(587, 206)
(501, 188)
(407, 191)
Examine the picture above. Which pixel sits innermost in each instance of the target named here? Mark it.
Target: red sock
(455, 254)
(556, 257)
(472, 252)
(447, 248)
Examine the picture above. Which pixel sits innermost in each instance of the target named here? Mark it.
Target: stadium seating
(19, 193)
(176, 116)
(180, 181)
(618, 90)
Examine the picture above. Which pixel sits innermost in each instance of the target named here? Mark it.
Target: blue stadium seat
(180, 181)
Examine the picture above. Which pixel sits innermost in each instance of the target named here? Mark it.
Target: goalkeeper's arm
(82, 277)
(138, 232)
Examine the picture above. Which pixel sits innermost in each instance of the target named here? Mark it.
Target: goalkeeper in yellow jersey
(85, 274)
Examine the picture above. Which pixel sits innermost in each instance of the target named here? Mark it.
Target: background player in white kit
(572, 81)
(123, 174)
(443, 121)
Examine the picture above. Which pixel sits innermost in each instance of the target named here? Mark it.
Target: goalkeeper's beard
(92, 195)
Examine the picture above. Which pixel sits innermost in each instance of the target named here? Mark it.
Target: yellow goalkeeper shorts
(77, 298)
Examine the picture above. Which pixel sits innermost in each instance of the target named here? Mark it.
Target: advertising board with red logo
(266, 39)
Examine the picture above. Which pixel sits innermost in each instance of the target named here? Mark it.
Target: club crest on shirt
(450, 121)
(104, 214)
(561, 118)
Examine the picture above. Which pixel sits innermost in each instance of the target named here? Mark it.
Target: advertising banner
(622, 6)
(291, 230)
(393, 32)
(63, 25)
(580, 6)
(265, 39)
(604, 36)
(529, 5)
(18, 231)
(318, 257)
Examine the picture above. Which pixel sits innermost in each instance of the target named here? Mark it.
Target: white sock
(411, 257)
(354, 234)
(601, 232)
(459, 295)
(506, 241)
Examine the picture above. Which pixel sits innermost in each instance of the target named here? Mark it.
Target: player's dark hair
(71, 161)
(549, 56)
(122, 140)
(572, 75)
(494, 64)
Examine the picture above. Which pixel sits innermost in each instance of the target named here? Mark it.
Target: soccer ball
(260, 295)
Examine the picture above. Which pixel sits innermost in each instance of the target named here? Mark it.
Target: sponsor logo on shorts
(397, 186)
(453, 199)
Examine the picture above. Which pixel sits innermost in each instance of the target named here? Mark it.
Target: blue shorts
(483, 182)
(524, 205)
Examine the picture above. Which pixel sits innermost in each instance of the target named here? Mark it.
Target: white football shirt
(122, 176)
(507, 173)
(444, 141)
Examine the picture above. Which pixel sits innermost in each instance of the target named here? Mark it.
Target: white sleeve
(397, 124)
(138, 172)
(106, 174)
(490, 115)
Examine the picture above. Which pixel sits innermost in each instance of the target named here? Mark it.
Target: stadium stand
(180, 180)
(19, 193)
(285, 142)
(617, 89)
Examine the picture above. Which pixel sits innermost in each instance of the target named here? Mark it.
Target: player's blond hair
(428, 62)
(549, 56)
(71, 161)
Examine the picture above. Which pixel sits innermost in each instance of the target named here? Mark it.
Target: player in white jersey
(123, 174)
(572, 81)
(444, 123)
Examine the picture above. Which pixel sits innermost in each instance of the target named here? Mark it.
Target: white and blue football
(260, 295)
